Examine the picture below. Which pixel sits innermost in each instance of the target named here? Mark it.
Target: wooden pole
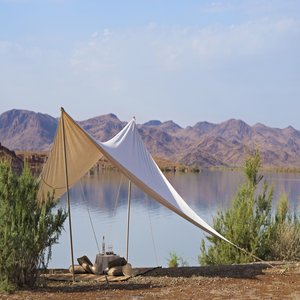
(128, 219)
(68, 194)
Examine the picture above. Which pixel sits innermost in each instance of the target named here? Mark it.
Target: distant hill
(152, 123)
(204, 144)
(27, 130)
(103, 127)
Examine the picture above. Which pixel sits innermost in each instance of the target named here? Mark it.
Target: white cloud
(155, 68)
(107, 32)
(94, 34)
(6, 47)
(12, 51)
(180, 47)
(285, 25)
(166, 65)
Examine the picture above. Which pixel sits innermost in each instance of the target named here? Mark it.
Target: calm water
(154, 230)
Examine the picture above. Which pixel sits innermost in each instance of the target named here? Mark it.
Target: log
(115, 271)
(120, 261)
(127, 270)
(77, 269)
(85, 263)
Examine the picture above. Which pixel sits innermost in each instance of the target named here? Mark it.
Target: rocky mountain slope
(204, 144)
(103, 127)
(27, 130)
(16, 162)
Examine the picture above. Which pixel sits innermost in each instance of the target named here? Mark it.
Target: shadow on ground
(247, 271)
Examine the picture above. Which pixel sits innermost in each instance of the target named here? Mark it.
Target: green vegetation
(180, 169)
(290, 170)
(194, 169)
(250, 225)
(167, 169)
(285, 233)
(27, 229)
(282, 170)
(175, 261)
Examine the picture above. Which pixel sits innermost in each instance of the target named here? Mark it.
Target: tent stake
(68, 194)
(128, 219)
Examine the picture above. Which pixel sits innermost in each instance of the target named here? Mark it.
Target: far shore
(36, 160)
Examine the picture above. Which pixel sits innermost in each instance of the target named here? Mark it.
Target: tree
(28, 229)
(247, 223)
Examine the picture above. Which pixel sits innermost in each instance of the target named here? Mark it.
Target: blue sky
(185, 61)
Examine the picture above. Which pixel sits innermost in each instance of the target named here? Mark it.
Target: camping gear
(126, 151)
(85, 263)
(102, 261)
(120, 261)
(74, 152)
(77, 269)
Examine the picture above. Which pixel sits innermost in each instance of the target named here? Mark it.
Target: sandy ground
(250, 281)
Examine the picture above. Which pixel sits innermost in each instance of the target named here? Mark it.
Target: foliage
(175, 261)
(194, 169)
(249, 224)
(285, 233)
(27, 229)
(246, 223)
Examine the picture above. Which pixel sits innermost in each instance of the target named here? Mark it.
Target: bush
(27, 229)
(285, 233)
(246, 223)
(249, 224)
(175, 261)
(195, 169)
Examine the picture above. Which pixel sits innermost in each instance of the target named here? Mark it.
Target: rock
(115, 271)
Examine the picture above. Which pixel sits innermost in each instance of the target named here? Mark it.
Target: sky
(185, 61)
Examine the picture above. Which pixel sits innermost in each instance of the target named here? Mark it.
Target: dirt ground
(249, 281)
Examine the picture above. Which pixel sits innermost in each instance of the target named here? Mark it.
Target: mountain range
(204, 144)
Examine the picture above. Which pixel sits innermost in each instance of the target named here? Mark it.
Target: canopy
(126, 151)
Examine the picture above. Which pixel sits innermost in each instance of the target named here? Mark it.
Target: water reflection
(155, 231)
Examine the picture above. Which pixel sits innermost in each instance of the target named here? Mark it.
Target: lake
(100, 201)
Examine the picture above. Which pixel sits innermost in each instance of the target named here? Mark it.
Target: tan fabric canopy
(81, 155)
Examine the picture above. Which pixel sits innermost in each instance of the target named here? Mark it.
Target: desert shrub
(195, 169)
(249, 224)
(27, 229)
(246, 223)
(175, 261)
(285, 233)
(182, 169)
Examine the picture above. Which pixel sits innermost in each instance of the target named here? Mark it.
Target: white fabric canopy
(127, 152)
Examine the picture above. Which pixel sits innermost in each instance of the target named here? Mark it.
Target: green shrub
(285, 233)
(246, 223)
(249, 224)
(195, 169)
(175, 261)
(27, 229)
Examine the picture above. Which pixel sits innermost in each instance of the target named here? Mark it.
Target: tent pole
(128, 219)
(68, 194)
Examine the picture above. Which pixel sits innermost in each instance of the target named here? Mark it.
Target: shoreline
(36, 160)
